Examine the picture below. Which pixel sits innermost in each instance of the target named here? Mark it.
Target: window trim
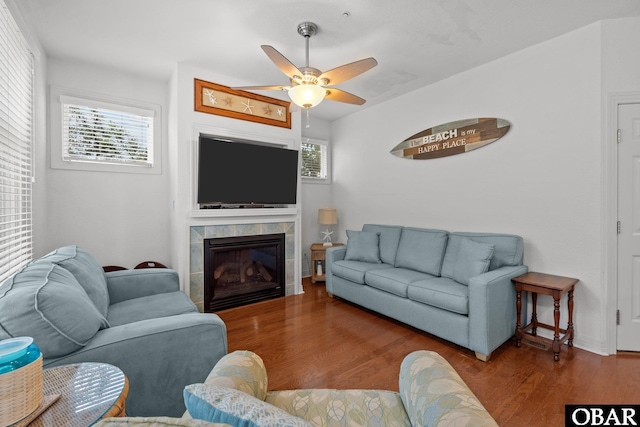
(313, 180)
(57, 96)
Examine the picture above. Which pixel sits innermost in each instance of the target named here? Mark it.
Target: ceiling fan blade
(261, 88)
(348, 71)
(342, 96)
(281, 62)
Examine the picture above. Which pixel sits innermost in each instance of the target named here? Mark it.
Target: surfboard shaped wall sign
(452, 138)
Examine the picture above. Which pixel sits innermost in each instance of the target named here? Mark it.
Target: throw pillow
(46, 302)
(227, 405)
(363, 246)
(473, 259)
(87, 272)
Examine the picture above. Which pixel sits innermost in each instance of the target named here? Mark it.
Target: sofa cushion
(363, 246)
(87, 272)
(393, 280)
(329, 407)
(389, 239)
(473, 259)
(421, 250)
(441, 292)
(46, 302)
(150, 307)
(508, 250)
(227, 405)
(354, 271)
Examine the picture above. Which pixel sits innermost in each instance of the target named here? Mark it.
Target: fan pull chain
(308, 125)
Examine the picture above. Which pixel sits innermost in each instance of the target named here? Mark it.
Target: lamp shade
(327, 216)
(307, 95)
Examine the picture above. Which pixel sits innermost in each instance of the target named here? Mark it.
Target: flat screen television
(245, 173)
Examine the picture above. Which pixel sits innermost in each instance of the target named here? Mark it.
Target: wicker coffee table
(88, 392)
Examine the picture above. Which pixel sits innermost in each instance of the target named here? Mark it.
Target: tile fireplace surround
(201, 232)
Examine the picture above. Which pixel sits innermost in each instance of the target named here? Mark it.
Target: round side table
(88, 392)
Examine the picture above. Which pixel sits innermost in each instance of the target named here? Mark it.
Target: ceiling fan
(309, 86)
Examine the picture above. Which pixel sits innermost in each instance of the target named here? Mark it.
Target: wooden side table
(318, 257)
(545, 284)
(88, 392)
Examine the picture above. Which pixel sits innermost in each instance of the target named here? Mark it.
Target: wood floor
(314, 341)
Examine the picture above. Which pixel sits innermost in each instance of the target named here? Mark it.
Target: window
(315, 159)
(93, 132)
(16, 83)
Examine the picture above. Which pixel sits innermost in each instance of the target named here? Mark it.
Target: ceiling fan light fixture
(307, 95)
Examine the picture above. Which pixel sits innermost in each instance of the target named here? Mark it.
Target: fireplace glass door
(242, 270)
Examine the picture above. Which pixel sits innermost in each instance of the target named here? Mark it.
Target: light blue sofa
(137, 320)
(455, 285)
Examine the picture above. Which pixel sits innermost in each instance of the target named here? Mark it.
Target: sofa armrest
(492, 308)
(434, 394)
(160, 357)
(242, 370)
(128, 284)
(332, 254)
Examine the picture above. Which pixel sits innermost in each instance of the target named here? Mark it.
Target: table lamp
(328, 217)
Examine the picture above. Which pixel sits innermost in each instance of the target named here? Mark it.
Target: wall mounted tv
(238, 173)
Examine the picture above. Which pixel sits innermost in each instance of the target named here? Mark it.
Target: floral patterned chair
(431, 394)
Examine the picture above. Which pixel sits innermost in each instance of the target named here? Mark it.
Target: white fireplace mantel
(243, 213)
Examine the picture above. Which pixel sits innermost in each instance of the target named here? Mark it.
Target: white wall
(541, 181)
(120, 218)
(620, 84)
(315, 195)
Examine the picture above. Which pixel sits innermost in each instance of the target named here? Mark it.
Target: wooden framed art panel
(221, 100)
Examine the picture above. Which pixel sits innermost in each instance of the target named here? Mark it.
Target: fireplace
(242, 270)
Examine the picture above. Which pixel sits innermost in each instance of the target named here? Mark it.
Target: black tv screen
(244, 173)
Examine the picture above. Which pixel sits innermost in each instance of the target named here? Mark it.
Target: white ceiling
(416, 42)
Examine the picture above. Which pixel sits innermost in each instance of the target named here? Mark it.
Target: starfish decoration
(228, 101)
(327, 236)
(212, 98)
(267, 110)
(248, 106)
(280, 111)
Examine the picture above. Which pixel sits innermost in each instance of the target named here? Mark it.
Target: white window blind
(314, 160)
(101, 132)
(16, 84)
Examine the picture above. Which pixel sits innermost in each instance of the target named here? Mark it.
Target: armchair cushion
(363, 246)
(46, 302)
(87, 271)
(329, 407)
(228, 405)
